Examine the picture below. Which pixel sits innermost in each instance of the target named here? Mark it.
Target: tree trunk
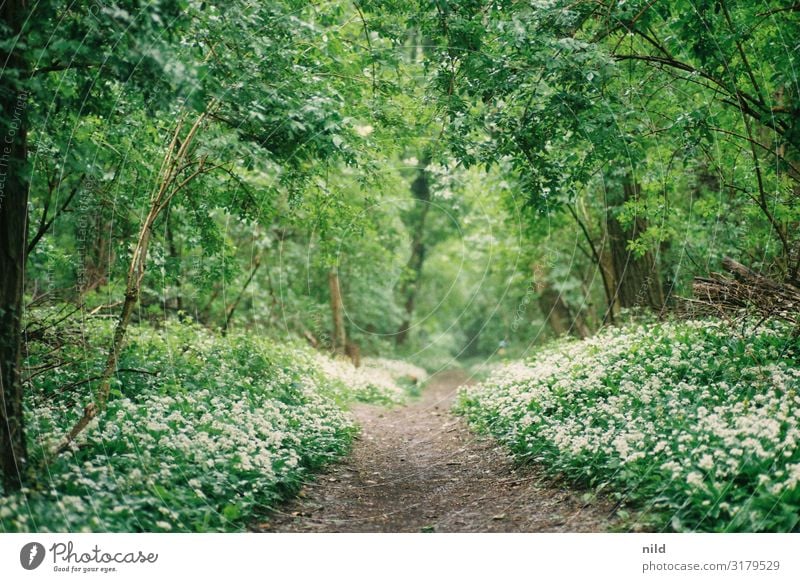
(353, 352)
(99, 254)
(559, 315)
(13, 244)
(421, 190)
(605, 274)
(169, 185)
(638, 283)
(339, 340)
(235, 304)
(607, 268)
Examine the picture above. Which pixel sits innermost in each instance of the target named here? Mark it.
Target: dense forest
(225, 225)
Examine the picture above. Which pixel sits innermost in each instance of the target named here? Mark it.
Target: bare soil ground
(419, 468)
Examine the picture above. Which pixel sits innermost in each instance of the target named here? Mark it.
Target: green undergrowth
(202, 432)
(694, 423)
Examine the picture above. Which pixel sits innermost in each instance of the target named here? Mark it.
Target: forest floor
(419, 468)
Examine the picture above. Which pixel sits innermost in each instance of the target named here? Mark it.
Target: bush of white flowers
(696, 423)
(203, 433)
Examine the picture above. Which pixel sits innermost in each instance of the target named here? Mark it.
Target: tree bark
(607, 267)
(638, 283)
(13, 245)
(421, 190)
(559, 315)
(353, 352)
(339, 339)
(606, 274)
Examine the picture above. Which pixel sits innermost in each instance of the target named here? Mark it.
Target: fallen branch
(743, 289)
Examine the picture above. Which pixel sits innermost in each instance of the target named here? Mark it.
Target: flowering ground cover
(202, 434)
(377, 380)
(694, 423)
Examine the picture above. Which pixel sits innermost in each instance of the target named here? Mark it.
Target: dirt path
(419, 468)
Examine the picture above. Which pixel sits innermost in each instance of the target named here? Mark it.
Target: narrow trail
(419, 468)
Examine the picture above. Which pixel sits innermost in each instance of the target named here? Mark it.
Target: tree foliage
(477, 175)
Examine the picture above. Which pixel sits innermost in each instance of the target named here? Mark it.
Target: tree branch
(44, 224)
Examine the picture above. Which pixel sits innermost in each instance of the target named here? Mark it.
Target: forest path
(419, 468)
